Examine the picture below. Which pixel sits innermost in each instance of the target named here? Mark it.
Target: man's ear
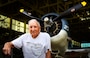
(40, 28)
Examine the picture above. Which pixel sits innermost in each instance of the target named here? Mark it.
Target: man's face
(34, 29)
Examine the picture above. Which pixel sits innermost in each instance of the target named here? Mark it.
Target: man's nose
(33, 28)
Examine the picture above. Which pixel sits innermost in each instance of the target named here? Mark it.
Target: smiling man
(35, 44)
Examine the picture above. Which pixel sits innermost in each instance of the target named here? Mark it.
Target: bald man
(34, 44)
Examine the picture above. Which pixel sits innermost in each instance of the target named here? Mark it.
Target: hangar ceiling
(79, 21)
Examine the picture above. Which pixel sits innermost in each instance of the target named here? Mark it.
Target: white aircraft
(59, 42)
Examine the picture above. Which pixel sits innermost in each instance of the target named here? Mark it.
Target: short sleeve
(48, 43)
(18, 41)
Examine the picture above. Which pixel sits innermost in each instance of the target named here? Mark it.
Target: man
(35, 44)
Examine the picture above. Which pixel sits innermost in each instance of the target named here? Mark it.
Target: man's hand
(7, 48)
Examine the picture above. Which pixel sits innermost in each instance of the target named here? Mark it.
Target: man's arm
(48, 54)
(7, 48)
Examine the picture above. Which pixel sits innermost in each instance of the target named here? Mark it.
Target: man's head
(34, 27)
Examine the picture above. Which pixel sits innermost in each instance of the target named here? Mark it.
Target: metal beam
(9, 2)
(33, 8)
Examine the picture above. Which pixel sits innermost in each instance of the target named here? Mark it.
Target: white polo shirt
(33, 48)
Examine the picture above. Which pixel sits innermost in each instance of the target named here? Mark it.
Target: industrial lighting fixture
(21, 10)
(83, 3)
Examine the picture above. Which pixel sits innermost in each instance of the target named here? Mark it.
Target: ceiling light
(83, 3)
(21, 10)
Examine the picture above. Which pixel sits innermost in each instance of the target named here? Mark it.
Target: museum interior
(15, 14)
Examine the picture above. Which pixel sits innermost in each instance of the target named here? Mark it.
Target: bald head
(34, 21)
(34, 27)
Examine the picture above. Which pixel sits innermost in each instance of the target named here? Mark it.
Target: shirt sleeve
(18, 42)
(48, 45)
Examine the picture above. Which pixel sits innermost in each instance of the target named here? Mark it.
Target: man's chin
(34, 36)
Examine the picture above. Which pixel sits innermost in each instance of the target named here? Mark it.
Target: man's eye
(30, 27)
(34, 26)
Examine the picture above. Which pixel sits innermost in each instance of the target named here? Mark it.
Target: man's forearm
(48, 54)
